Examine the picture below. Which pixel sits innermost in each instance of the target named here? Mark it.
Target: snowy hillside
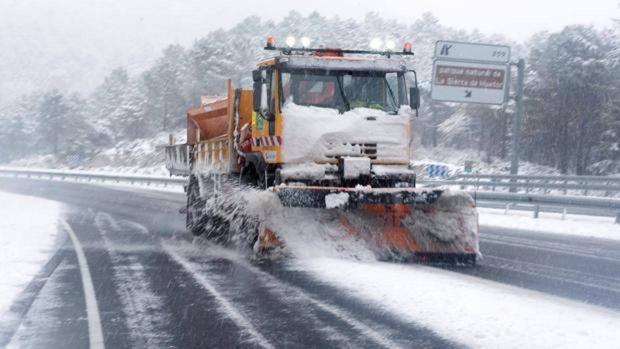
(146, 156)
(140, 156)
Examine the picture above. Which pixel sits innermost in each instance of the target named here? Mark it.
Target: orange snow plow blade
(404, 224)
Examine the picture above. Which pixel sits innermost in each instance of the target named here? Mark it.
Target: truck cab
(324, 118)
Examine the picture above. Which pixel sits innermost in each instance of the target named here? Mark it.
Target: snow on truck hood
(318, 134)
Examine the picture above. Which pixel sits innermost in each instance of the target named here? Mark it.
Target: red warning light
(407, 47)
(271, 42)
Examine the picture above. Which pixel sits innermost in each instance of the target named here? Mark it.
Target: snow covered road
(156, 289)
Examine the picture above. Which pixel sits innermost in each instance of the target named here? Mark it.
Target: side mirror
(256, 75)
(264, 107)
(259, 77)
(414, 98)
(256, 97)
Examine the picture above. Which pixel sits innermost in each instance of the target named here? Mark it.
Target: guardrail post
(606, 194)
(516, 122)
(527, 187)
(618, 217)
(508, 205)
(565, 184)
(564, 213)
(536, 211)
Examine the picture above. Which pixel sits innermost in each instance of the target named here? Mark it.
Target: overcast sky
(182, 20)
(72, 44)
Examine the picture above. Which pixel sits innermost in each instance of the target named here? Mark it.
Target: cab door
(267, 122)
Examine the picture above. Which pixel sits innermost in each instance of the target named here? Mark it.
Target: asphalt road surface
(153, 289)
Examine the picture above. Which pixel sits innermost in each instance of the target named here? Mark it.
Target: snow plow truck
(325, 129)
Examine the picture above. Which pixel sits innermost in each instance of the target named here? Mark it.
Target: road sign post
(516, 121)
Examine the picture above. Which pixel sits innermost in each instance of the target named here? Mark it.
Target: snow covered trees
(571, 119)
(569, 96)
(50, 123)
(163, 87)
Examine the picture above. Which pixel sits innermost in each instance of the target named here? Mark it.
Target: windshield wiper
(347, 105)
(395, 110)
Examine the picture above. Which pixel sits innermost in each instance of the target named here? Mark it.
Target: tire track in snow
(227, 307)
(144, 309)
(286, 290)
(556, 273)
(550, 246)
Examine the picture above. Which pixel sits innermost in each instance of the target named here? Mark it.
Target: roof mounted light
(290, 41)
(323, 51)
(375, 44)
(407, 47)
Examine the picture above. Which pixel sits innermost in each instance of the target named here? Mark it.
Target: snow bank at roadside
(28, 230)
(578, 225)
(469, 310)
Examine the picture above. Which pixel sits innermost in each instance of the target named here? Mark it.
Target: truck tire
(196, 217)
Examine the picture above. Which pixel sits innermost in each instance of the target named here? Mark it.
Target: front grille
(336, 150)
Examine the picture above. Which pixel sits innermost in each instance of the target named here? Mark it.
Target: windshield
(345, 90)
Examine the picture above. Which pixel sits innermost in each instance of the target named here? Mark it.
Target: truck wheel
(195, 217)
(250, 176)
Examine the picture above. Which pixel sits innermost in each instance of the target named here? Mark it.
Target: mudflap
(408, 225)
(267, 244)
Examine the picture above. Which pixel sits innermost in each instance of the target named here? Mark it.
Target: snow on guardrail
(92, 176)
(606, 206)
(567, 185)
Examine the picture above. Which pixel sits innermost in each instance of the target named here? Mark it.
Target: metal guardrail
(584, 201)
(606, 186)
(93, 177)
(604, 206)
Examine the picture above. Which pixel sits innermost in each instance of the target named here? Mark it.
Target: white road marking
(95, 332)
(228, 307)
(146, 317)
